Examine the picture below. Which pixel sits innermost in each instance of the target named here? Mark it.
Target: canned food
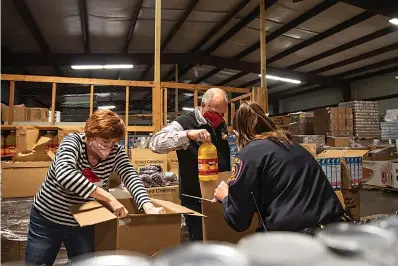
(120, 258)
(202, 254)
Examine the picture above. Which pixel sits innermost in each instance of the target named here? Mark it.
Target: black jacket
(188, 159)
(288, 184)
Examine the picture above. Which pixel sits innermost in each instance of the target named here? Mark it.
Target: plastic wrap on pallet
(302, 123)
(366, 118)
(15, 218)
(318, 140)
(389, 130)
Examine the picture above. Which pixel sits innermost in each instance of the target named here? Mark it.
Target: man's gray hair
(209, 94)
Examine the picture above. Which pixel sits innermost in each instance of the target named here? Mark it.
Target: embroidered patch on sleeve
(236, 171)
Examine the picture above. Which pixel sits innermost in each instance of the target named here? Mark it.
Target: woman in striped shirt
(79, 173)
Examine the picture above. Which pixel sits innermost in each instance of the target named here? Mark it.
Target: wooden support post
(263, 93)
(165, 107)
(11, 103)
(232, 113)
(195, 98)
(176, 93)
(53, 100)
(91, 99)
(126, 118)
(226, 117)
(156, 91)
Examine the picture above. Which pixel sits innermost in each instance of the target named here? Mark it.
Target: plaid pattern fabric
(172, 137)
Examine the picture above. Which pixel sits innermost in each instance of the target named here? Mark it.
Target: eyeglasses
(103, 145)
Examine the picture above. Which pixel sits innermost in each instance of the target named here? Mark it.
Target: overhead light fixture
(295, 81)
(394, 21)
(188, 108)
(83, 67)
(106, 107)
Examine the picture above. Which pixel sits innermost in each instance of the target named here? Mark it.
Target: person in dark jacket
(185, 135)
(281, 177)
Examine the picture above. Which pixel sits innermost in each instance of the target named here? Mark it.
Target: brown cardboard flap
(24, 164)
(38, 153)
(342, 153)
(41, 143)
(91, 213)
(207, 187)
(175, 208)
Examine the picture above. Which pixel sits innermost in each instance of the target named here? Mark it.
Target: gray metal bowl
(111, 258)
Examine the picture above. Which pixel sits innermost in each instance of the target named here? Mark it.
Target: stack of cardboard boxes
(22, 114)
(365, 117)
(333, 122)
(302, 123)
(282, 122)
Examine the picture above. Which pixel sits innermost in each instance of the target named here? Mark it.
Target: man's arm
(172, 137)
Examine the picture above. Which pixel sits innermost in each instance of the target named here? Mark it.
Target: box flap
(342, 153)
(38, 153)
(170, 206)
(41, 143)
(24, 164)
(207, 187)
(91, 213)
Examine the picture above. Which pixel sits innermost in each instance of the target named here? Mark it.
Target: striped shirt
(67, 182)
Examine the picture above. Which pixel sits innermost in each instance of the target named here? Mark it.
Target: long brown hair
(251, 123)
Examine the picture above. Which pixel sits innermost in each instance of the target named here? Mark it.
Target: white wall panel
(375, 87)
(320, 98)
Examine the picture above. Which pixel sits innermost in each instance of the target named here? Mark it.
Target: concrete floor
(377, 202)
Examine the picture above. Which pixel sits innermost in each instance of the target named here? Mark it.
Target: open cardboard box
(23, 176)
(143, 157)
(346, 175)
(143, 233)
(215, 228)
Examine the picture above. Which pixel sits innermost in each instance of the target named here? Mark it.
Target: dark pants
(194, 223)
(45, 238)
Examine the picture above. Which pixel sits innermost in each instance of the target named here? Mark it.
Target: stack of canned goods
(343, 244)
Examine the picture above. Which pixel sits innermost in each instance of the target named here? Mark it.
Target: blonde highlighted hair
(105, 124)
(251, 123)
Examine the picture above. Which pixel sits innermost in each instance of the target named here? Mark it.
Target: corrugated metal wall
(377, 87)
(314, 99)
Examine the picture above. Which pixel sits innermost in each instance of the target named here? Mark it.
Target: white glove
(150, 209)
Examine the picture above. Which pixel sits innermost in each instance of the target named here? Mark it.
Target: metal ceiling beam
(250, 83)
(349, 45)
(287, 27)
(234, 77)
(354, 59)
(342, 26)
(173, 32)
(386, 8)
(296, 92)
(368, 67)
(130, 32)
(209, 35)
(167, 58)
(243, 23)
(34, 29)
(206, 76)
(374, 74)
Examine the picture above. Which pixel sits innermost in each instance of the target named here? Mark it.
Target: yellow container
(207, 162)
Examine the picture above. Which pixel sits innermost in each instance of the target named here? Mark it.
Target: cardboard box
(377, 173)
(143, 233)
(22, 179)
(310, 147)
(26, 138)
(338, 142)
(37, 114)
(282, 122)
(343, 168)
(394, 174)
(214, 226)
(20, 113)
(143, 157)
(170, 193)
(342, 113)
(172, 162)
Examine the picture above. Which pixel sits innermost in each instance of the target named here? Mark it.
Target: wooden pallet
(377, 188)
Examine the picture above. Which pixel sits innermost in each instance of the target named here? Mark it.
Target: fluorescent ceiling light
(295, 81)
(106, 107)
(394, 21)
(188, 108)
(81, 67)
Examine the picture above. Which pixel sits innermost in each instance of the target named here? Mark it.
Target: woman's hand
(221, 191)
(150, 209)
(118, 209)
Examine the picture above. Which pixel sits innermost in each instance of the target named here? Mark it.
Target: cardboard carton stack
(365, 117)
(20, 113)
(318, 140)
(333, 122)
(302, 123)
(282, 122)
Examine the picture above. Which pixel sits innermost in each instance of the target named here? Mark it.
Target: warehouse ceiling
(321, 43)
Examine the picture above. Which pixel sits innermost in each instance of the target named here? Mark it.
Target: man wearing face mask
(185, 135)
(79, 173)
